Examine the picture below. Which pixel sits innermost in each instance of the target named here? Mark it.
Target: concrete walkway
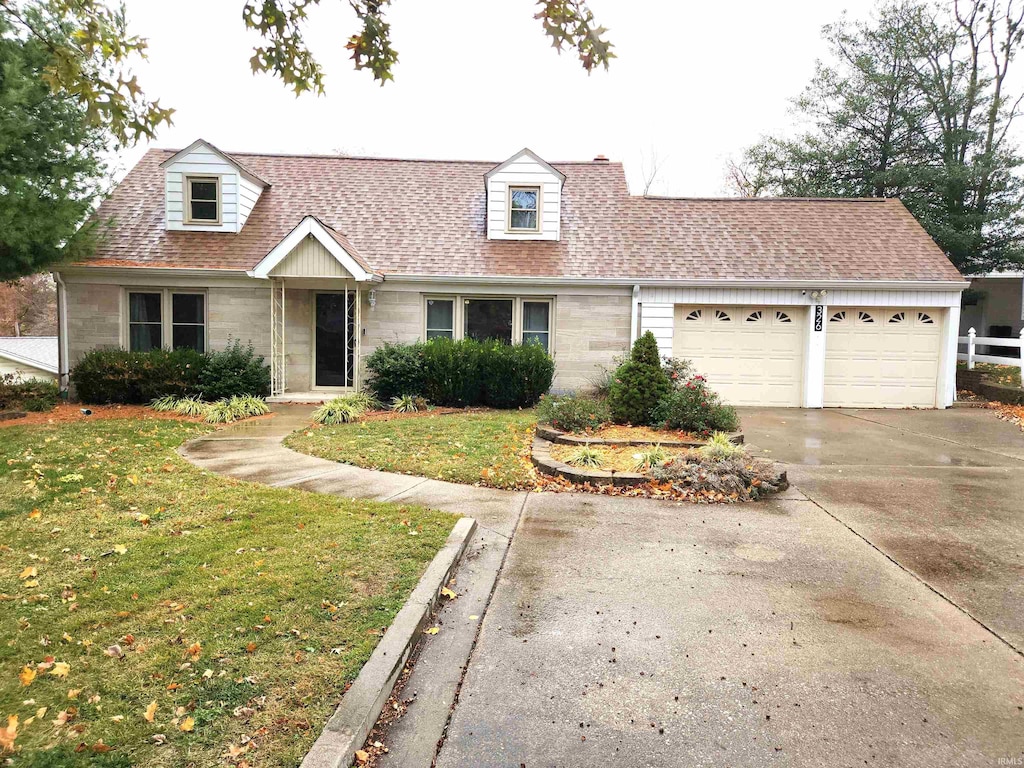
(640, 633)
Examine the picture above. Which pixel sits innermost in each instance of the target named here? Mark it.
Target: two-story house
(317, 260)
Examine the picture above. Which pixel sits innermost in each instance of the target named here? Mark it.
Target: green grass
(485, 447)
(1007, 375)
(286, 594)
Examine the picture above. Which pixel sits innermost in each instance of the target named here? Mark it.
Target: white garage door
(750, 355)
(882, 358)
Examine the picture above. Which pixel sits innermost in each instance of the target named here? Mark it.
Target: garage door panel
(755, 361)
(890, 362)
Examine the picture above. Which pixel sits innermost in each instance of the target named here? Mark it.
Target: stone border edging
(12, 415)
(981, 384)
(347, 729)
(540, 455)
(549, 433)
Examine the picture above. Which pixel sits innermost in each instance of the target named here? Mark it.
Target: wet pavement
(865, 617)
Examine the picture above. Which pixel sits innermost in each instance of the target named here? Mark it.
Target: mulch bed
(70, 413)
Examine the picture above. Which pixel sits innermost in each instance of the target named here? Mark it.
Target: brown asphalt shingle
(427, 218)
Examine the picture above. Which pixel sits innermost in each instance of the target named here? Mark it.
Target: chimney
(600, 159)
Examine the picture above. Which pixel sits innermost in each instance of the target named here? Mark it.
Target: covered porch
(320, 291)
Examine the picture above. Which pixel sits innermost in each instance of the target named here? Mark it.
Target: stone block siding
(398, 317)
(240, 313)
(298, 338)
(589, 332)
(94, 317)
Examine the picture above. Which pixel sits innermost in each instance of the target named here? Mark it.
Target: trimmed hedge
(462, 373)
(30, 395)
(121, 376)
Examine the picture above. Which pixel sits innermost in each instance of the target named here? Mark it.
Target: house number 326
(819, 316)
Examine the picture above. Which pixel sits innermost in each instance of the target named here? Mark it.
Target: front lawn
(152, 614)
(479, 447)
(1007, 375)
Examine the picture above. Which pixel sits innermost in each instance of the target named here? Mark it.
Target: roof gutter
(913, 285)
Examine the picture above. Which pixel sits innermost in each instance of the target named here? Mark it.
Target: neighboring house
(994, 306)
(318, 260)
(29, 357)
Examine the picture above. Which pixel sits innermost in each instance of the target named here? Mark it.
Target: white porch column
(814, 357)
(946, 391)
(659, 319)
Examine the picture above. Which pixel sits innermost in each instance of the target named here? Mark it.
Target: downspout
(633, 320)
(62, 332)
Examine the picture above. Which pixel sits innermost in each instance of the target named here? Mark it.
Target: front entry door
(335, 343)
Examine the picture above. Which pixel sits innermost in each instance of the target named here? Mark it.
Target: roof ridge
(327, 156)
(773, 199)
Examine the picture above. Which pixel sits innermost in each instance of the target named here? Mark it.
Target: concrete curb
(348, 727)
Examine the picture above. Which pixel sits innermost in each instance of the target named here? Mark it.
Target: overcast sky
(477, 79)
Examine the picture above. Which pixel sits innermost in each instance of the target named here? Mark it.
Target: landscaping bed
(615, 435)
(152, 614)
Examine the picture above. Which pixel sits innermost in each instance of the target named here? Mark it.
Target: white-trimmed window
(508, 319)
(537, 323)
(166, 318)
(440, 318)
(202, 199)
(524, 209)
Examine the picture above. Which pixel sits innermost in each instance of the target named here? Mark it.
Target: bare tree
(742, 179)
(28, 307)
(650, 163)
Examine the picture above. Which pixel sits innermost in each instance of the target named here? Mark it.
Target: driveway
(876, 620)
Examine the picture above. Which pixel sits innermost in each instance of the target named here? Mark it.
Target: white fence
(972, 340)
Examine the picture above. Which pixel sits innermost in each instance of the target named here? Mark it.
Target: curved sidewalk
(254, 451)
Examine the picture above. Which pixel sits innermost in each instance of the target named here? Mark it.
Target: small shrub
(719, 448)
(234, 370)
(678, 370)
(639, 384)
(120, 376)
(164, 404)
(249, 405)
(573, 413)
(396, 370)
(341, 410)
(585, 456)
(29, 395)
(736, 479)
(649, 458)
(695, 408)
(403, 404)
(191, 405)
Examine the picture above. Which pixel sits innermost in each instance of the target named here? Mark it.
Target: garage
(750, 355)
(882, 358)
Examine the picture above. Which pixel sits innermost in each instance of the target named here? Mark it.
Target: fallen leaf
(114, 652)
(432, 631)
(100, 747)
(61, 670)
(451, 595)
(194, 650)
(73, 693)
(35, 514)
(159, 739)
(27, 675)
(9, 734)
(150, 712)
(187, 724)
(120, 549)
(362, 757)
(30, 572)
(250, 647)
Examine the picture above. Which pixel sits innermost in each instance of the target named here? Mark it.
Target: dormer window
(524, 209)
(202, 203)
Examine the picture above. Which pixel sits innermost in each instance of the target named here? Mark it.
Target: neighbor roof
(36, 351)
(422, 217)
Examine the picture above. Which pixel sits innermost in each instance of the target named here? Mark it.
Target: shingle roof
(38, 351)
(421, 217)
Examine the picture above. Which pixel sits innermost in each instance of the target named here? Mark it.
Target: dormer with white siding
(206, 190)
(524, 199)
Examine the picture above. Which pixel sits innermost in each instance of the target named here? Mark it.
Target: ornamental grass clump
(221, 412)
(649, 458)
(344, 409)
(719, 448)
(638, 385)
(164, 404)
(248, 405)
(585, 456)
(192, 406)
